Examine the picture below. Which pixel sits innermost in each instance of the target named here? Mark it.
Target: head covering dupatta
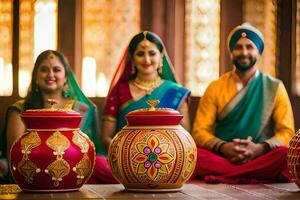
(124, 68)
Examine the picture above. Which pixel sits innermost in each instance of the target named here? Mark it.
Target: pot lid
(50, 112)
(153, 116)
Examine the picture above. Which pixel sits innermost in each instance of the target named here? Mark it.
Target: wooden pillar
(146, 15)
(284, 42)
(166, 19)
(286, 50)
(159, 14)
(231, 16)
(70, 33)
(15, 48)
(175, 36)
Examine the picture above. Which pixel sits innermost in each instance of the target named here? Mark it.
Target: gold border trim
(51, 110)
(43, 116)
(51, 190)
(153, 127)
(56, 129)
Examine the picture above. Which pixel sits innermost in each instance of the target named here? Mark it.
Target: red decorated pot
(53, 154)
(153, 152)
(293, 158)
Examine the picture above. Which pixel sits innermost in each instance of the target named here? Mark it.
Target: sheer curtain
(6, 82)
(38, 32)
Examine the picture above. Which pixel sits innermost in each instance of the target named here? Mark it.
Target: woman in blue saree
(144, 73)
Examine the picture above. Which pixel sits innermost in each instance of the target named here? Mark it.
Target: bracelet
(266, 147)
(218, 146)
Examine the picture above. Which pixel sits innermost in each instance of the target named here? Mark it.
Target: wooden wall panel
(286, 42)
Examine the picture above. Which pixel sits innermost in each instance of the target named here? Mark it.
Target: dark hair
(152, 37)
(34, 99)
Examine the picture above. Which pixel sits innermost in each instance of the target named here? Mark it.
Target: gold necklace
(147, 85)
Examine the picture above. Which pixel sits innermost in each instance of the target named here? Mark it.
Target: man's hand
(233, 152)
(241, 151)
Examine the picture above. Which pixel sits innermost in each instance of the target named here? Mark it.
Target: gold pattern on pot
(80, 141)
(26, 167)
(83, 167)
(190, 163)
(59, 168)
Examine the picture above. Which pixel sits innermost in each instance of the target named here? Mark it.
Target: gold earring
(160, 68)
(66, 87)
(66, 90)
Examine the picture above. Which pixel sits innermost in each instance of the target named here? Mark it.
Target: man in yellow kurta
(244, 121)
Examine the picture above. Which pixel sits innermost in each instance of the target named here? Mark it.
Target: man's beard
(244, 67)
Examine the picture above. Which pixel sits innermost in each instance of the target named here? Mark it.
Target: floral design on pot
(152, 158)
(153, 152)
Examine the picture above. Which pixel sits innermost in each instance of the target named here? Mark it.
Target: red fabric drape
(270, 167)
(102, 173)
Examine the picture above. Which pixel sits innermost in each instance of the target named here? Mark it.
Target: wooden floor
(196, 190)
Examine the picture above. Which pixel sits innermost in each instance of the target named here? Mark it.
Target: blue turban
(248, 31)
